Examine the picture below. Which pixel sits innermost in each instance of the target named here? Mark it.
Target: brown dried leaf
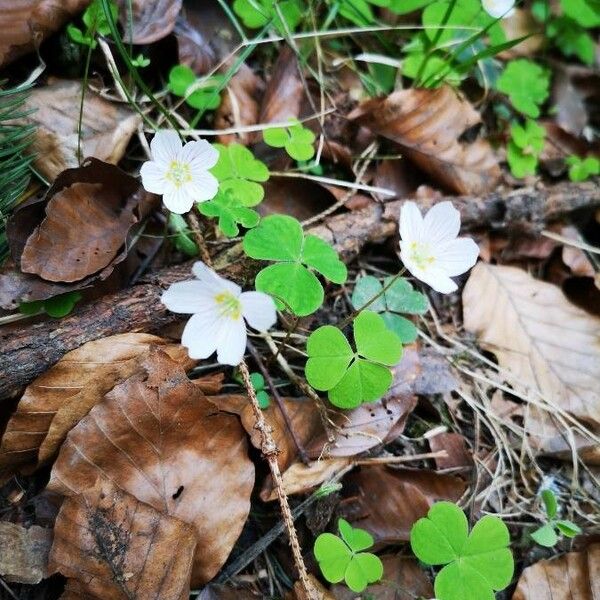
(457, 454)
(573, 576)
(284, 94)
(403, 579)
(106, 127)
(157, 437)
(39, 243)
(24, 552)
(118, 548)
(149, 20)
(427, 124)
(57, 400)
(204, 35)
(550, 346)
(25, 23)
(239, 106)
(390, 501)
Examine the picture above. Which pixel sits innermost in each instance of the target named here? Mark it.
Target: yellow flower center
(229, 305)
(421, 255)
(179, 173)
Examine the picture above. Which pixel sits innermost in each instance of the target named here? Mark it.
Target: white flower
(498, 8)
(429, 247)
(218, 309)
(179, 173)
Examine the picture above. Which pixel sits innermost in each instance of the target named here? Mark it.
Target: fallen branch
(26, 351)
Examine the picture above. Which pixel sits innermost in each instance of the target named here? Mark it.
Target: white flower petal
(411, 222)
(165, 146)
(259, 310)
(153, 177)
(205, 186)
(231, 342)
(498, 8)
(457, 256)
(441, 223)
(201, 334)
(189, 297)
(177, 200)
(200, 155)
(438, 280)
(214, 281)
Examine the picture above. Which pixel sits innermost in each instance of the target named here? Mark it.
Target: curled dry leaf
(427, 124)
(57, 400)
(75, 234)
(571, 576)
(111, 546)
(24, 552)
(25, 23)
(106, 127)
(239, 106)
(403, 579)
(390, 501)
(149, 20)
(550, 347)
(157, 437)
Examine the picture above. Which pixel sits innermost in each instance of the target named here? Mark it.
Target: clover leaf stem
(384, 289)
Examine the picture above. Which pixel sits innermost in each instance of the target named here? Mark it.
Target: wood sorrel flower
(218, 309)
(430, 248)
(498, 8)
(180, 173)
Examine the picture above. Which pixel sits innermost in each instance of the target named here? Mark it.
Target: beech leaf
(158, 438)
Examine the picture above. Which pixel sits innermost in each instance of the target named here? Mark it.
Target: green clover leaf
(524, 148)
(55, 307)
(349, 377)
(240, 173)
(258, 383)
(581, 169)
(526, 84)
(342, 558)
(280, 238)
(547, 534)
(227, 207)
(476, 563)
(585, 12)
(258, 13)
(181, 77)
(182, 239)
(359, 12)
(95, 20)
(400, 297)
(296, 139)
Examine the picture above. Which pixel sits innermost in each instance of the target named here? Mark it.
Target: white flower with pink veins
(430, 248)
(180, 173)
(219, 312)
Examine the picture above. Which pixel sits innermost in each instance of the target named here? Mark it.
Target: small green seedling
(140, 61)
(240, 174)
(343, 558)
(581, 169)
(290, 280)
(350, 377)
(400, 297)
(296, 139)
(258, 13)
(547, 534)
(95, 22)
(258, 383)
(476, 564)
(205, 95)
(524, 148)
(526, 84)
(181, 235)
(231, 213)
(56, 307)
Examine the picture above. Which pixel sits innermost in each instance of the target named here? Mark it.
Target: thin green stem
(385, 288)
